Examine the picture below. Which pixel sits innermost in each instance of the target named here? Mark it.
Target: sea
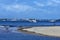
(14, 35)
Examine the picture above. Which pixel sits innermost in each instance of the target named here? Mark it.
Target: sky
(38, 9)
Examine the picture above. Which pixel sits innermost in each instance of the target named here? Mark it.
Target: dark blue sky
(39, 9)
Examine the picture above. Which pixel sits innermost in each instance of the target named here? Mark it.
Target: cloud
(47, 3)
(18, 7)
(56, 1)
(42, 4)
(38, 4)
(53, 3)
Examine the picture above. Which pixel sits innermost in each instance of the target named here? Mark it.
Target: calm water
(24, 23)
(23, 36)
(13, 35)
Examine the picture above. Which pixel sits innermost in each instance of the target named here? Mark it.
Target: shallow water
(12, 34)
(21, 36)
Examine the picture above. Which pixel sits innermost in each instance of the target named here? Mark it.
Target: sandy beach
(47, 31)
